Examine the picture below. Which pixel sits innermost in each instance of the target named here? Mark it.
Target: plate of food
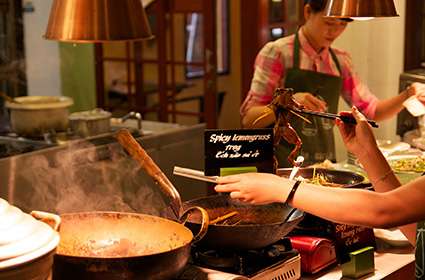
(326, 177)
(407, 163)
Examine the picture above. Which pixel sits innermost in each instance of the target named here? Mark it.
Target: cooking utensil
(130, 144)
(346, 119)
(90, 123)
(259, 225)
(193, 174)
(35, 115)
(113, 245)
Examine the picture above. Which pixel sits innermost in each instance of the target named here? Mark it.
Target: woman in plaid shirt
(319, 75)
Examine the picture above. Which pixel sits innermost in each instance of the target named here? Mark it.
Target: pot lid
(95, 114)
(40, 102)
(22, 237)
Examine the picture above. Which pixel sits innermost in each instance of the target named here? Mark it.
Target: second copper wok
(259, 225)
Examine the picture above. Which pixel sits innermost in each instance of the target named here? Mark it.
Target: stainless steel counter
(99, 175)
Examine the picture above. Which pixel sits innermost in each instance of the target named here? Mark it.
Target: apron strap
(335, 59)
(297, 51)
(297, 54)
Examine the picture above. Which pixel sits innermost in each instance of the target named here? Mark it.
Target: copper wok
(114, 245)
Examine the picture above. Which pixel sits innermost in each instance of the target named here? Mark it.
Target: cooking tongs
(346, 119)
(194, 174)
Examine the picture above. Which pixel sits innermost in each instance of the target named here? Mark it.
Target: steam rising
(82, 177)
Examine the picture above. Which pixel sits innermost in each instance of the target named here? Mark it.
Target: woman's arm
(263, 114)
(359, 139)
(390, 107)
(349, 206)
(401, 206)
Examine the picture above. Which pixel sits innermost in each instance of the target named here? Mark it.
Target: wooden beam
(414, 31)
(187, 6)
(254, 33)
(210, 60)
(162, 59)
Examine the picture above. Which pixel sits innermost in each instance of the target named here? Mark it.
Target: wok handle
(130, 144)
(204, 224)
(52, 220)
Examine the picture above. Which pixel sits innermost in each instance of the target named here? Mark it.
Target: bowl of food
(326, 177)
(407, 167)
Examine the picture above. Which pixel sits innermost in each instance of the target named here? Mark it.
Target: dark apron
(318, 139)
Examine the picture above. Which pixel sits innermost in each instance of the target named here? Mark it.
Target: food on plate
(411, 164)
(321, 179)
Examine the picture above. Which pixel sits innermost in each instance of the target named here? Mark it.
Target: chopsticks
(194, 174)
(346, 119)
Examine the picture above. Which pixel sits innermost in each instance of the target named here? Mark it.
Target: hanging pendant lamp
(360, 8)
(97, 21)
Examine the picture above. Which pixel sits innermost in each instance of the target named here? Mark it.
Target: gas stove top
(277, 261)
(10, 146)
(289, 269)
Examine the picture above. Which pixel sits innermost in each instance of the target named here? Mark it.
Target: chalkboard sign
(238, 148)
(350, 238)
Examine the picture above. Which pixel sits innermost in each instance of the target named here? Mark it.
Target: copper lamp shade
(97, 21)
(360, 8)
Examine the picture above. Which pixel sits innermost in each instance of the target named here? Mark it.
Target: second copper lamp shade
(360, 8)
(97, 21)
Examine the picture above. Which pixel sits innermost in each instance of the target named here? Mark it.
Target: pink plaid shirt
(277, 56)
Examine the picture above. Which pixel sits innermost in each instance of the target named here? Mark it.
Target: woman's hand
(417, 89)
(310, 102)
(256, 188)
(359, 138)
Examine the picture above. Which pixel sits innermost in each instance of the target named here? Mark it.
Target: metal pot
(27, 246)
(35, 115)
(90, 123)
(113, 245)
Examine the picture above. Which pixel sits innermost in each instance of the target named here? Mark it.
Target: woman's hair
(316, 5)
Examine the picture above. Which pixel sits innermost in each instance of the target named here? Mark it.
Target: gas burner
(10, 146)
(246, 263)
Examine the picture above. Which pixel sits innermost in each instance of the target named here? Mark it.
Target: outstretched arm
(359, 139)
(390, 107)
(401, 206)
